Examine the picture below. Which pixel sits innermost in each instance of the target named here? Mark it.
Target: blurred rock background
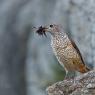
(27, 63)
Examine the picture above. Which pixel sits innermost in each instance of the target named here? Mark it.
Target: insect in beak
(41, 31)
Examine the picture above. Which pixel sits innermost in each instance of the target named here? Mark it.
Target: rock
(80, 85)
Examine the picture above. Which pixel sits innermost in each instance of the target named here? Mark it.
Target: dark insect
(41, 31)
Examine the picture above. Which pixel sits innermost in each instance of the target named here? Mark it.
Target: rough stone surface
(80, 85)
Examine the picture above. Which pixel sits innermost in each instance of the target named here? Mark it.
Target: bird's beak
(46, 28)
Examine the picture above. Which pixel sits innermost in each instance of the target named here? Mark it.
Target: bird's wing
(77, 50)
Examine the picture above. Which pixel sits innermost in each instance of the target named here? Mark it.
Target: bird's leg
(70, 75)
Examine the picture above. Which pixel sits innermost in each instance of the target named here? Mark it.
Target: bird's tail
(85, 69)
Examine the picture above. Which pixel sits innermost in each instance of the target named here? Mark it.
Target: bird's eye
(51, 26)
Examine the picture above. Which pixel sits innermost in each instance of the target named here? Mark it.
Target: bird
(65, 50)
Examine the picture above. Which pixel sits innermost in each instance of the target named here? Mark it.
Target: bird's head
(52, 29)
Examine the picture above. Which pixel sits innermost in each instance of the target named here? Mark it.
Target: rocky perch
(80, 85)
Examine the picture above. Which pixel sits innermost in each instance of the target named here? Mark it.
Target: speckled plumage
(66, 50)
(66, 53)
